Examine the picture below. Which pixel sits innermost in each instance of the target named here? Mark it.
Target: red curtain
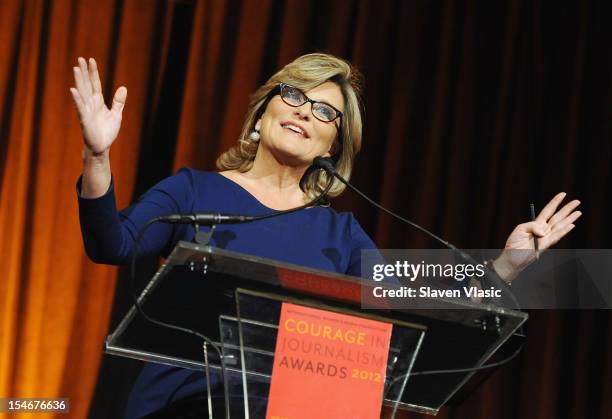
(473, 110)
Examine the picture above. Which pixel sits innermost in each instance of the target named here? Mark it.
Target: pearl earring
(254, 136)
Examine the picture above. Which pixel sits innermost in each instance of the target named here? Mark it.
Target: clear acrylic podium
(235, 300)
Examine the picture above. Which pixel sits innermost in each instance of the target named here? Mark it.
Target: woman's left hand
(549, 227)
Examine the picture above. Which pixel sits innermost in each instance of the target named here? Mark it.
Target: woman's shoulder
(195, 173)
(187, 183)
(195, 177)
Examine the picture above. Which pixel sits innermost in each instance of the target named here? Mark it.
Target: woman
(309, 108)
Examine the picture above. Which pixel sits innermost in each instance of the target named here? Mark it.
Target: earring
(254, 136)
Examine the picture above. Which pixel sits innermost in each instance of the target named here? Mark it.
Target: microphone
(204, 218)
(327, 164)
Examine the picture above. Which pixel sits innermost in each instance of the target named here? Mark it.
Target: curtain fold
(55, 303)
(472, 111)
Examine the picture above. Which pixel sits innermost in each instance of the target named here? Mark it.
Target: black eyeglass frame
(279, 91)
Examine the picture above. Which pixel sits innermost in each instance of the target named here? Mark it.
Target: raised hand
(100, 125)
(549, 227)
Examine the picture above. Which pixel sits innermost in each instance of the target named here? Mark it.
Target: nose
(302, 112)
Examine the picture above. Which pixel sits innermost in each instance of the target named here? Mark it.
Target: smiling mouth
(295, 130)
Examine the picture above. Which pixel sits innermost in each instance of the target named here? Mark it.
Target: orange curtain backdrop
(54, 303)
(471, 108)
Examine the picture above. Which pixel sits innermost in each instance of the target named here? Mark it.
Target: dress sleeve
(108, 235)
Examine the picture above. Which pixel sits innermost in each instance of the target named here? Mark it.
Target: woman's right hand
(100, 124)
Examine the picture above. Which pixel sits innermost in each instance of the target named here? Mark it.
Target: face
(293, 135)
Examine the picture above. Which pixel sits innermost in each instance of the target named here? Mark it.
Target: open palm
(549, 227)
(100, 124)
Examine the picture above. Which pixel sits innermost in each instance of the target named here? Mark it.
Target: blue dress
(319, 238)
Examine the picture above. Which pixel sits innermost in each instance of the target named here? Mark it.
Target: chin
(288, 158)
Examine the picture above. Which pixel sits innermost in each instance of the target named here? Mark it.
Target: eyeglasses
(293, 96)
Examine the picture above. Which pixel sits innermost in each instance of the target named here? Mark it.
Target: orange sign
(327, 365)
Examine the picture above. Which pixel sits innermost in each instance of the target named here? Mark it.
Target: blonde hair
(307, 72)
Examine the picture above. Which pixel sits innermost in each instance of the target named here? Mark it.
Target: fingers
(570, 219)
(78, 81)
(88, 86)
(551, 207)
(77, 100)
(564, 212)
(86, 82)
(119, 99)
(94, 76)
(559, 230)
(555, 236)
(538, 228)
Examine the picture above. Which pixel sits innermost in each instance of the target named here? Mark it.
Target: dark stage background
(474, 109)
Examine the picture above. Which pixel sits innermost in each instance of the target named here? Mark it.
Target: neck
(277, 177)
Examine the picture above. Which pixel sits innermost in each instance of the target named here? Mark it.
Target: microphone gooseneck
(212, 219)
(204, 218)
(326, 163)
